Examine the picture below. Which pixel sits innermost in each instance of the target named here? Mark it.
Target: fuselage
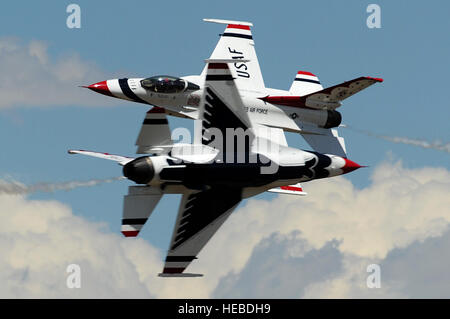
(255, 171)
(182, 98)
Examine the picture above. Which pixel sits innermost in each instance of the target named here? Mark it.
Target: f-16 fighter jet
(306, 108)
(232, 158)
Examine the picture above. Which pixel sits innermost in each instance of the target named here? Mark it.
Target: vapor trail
(436, 145)
(17, 188)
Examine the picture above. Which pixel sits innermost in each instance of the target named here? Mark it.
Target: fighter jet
(306, 108)
(231, 159)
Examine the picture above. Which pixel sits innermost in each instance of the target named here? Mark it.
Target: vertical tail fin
(305, 83)
(236, 43)
(154, 135)
(137, 208)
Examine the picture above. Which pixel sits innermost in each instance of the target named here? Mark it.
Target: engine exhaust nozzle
(140, 170)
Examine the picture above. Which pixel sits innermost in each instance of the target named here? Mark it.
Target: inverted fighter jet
(306, 108)
(231, 159)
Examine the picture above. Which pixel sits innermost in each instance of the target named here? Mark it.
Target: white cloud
(351, 282)
(313, 246)
(421, 269)
(273, 272)
(400, 208)
(30, 77)
(39, 239)
(281, 266)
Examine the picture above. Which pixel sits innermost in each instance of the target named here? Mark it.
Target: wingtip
(179, 275)
(130, 233)
(375, 79)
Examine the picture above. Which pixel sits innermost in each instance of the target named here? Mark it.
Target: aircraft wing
(201, 213)
(154, 136)
(199, 217)
(121, 160)
(237, 43)
(221, 110)
(337, 93)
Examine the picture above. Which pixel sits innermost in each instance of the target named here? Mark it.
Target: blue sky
(142, 38)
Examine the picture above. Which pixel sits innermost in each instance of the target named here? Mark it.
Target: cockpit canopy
(168, 84)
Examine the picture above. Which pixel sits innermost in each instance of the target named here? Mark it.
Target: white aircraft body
(234, 156)
(306, 108)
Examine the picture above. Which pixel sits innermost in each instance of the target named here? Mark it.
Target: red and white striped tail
(238, 31)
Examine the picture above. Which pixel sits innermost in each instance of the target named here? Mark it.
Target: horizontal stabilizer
(326, 99)
(295, 189)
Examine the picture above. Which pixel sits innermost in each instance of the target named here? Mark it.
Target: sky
(394, 213)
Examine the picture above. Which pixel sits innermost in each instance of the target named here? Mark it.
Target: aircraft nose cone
(350, 166)
(100, 87)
